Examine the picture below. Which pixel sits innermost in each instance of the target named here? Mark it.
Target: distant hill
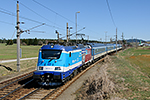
(148, 40)
(134, 40)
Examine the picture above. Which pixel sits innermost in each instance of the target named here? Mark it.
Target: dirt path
(13, 60)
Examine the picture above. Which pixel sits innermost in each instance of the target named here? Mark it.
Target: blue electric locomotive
(56, 63)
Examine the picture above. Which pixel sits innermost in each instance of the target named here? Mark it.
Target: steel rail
(16, 89)
(37, 90)
(16, 81)
(16, 77)
(49, 94)
(30, 93)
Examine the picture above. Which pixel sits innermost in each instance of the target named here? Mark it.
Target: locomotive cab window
(51, 54)
(69, 54)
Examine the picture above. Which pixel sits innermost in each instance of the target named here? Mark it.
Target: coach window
(69, 54)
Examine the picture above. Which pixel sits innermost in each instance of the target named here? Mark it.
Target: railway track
(15, 79)
(27, 89)
(9, 93)
(39, 93)
(9, 86)
(52, 93)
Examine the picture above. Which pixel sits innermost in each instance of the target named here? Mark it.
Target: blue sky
(132, 17)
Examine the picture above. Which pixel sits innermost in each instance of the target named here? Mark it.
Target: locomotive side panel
(74, 61)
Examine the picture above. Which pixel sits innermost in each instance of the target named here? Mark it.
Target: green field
(125, 76)
(11, 68)
(10, 51)
(131, 72)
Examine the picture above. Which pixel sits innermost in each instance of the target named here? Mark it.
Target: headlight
(40, 68)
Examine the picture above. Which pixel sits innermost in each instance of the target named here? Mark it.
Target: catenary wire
(7, 23)
(56, 13)
(53, 11)
(110, 13)
(13, 14)
(10, 13)
(39, 15)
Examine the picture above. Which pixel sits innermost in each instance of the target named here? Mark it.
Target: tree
(14, 40)
(35, 41)
(0, 40)
(4, 40)
(30, 42)
(9, 42)
(24, 41)
(111, 40)
(40, 42)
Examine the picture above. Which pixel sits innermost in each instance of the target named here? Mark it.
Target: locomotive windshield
(51, 54)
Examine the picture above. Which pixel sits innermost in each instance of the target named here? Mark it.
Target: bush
(9, 42)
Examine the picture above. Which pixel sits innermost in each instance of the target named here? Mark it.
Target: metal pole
(136, 43)
(88, 38)
(105, 38)
(57, 36)
(132, 41)
(116, 40)
(67, 33)
(76, 26)
(18, 39)
(122, 41)
(106, 42)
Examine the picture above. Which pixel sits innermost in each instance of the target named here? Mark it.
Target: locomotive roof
(61, 47)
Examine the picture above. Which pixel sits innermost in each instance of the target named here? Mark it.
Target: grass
(135, 52)
(11, 68)
(132, 72)
(129, 72)
(140, 58)
(10, 51)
